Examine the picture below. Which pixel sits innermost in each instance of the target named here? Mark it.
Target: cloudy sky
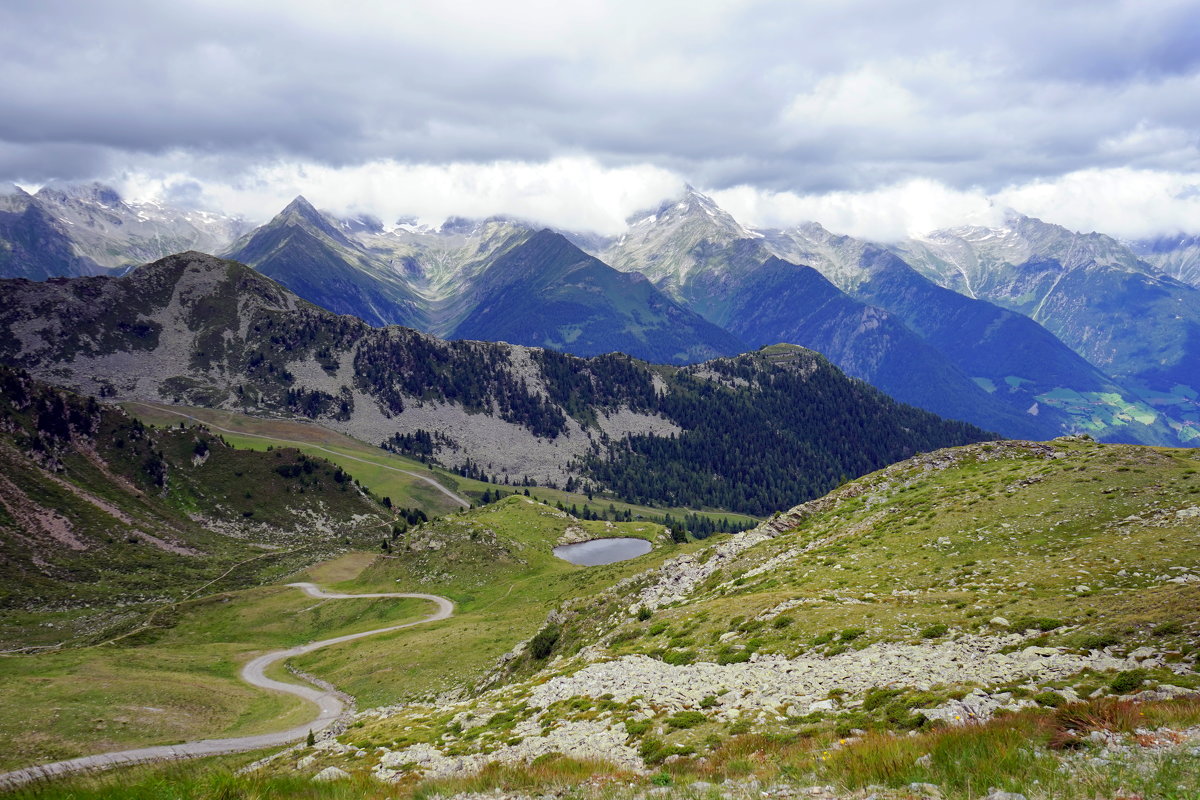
(879, 118)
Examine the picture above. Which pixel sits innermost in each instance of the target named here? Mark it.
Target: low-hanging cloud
(568, 193)
(939, 101)
(1126, 203)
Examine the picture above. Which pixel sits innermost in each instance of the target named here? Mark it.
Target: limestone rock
(331, 774)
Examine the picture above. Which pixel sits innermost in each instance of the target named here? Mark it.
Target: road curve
(253, 673)
(215, 427)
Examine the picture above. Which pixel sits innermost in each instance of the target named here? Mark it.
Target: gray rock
(997, 794)
(331, 774)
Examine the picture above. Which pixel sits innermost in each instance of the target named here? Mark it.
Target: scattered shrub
(1049, 699)
(1127, 681)
(626, 635)
(934, 631)
(1097, 641)
(733, 656)
(1043, 624)
(686, 719)
(1167, 629)
(637, 727)
(542, 644)
(850, 634)
(877, 698)
(679, 657)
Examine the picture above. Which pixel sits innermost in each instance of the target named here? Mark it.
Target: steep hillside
(783, 302)
(915, 601)
(490, 281)
(1133, 322)
(35, 245)
(1010, 356)
(118, 234)
(546, 292)
(99, 511)
(198, 330)
(698, 254)
(305, 252)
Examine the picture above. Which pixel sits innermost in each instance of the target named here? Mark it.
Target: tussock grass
(1011, 752)
(547, 774)
(1016, 752)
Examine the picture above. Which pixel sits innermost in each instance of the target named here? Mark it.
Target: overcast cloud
(882, 116)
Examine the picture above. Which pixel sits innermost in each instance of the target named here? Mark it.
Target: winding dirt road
(254, 673)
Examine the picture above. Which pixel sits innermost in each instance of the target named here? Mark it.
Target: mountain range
(749, 433)
(506, 282)
(1029, 330)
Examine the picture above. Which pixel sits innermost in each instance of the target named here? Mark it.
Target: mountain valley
(197, 330)
(916, 607)
(956, 340)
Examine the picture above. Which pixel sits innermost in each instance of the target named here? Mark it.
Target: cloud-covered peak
(526, 108)
(93, 192)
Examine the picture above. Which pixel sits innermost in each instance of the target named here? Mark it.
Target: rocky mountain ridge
(894, 327)
(1131, 320)
(197, 330)
(719, 287)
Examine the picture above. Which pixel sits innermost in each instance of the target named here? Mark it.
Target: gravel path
(417, 475)
(254, 673)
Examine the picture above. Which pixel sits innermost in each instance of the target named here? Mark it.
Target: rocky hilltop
(198, 330)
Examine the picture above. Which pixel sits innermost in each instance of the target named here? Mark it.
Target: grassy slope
(1088, 539)
(495, 563)
(91, 545)
(381, 474)
(1074, 542)
(179, 679)
(959, 537)
(177, 682)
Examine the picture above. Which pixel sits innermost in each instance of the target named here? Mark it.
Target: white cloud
(810, 96)
(569, 193)
(580, 193)
(1122, 202)
(887, 214)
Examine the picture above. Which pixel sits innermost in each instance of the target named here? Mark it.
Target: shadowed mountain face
(505, 283)
(198, 330)
(782, 302)
(33, 244)
(701, 256)
(305, 252)
(1131, 320)
(882, 321)
(1020, 330)
(548, 293)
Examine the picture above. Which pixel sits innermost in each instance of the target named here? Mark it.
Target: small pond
(602, 551)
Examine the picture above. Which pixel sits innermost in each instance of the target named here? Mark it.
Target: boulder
(331, 774)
